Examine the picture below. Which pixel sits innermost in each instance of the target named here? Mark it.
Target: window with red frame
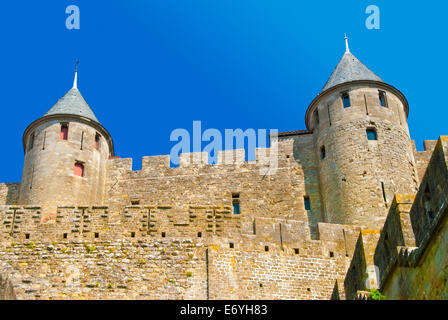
(79, 169)
(97, 141)
(64, 131)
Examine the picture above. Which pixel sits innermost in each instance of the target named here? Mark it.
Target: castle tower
(66, 152)
(362, 144)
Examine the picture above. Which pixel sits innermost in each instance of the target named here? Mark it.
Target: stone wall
(271, 272)
(422, 274)
(48, 172)
(359, 274)
(9, 193)
(359, 177)
(422, 158)
(263, 191)
(96, 253)
(160, 269)
(411, 254)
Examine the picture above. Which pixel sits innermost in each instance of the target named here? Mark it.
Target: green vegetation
(376, 295)
(90, 249)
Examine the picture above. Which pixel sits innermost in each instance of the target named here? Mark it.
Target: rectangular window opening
(231, 245)
(135, 202)
(371, 134)
(163, 234)
(79, 169)
(97, 141)
(27, 235)
(322, 153)
(31, 142)
(307, 203)
(97, 235)
(266, 248)
(383, 99)
(65, 235)
(236, 207)
(199, 234)
(296, 251)
(64, 131)
(132, 234)
(346, 99)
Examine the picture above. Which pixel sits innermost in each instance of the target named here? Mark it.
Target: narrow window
(383, 99)
(82, 139)
(266, 248)
(31, 180)
(296, 251)
(64, 131)
(307, 203)
(31, 142)
(346, 99)
(236, 203)
(132, 234)
(135, 202)
(231, 245)
(97, 235)
(45, 138)
(65, 236)
(27, 235)
(331, 254)
(316, 115)
(149, 221)
(236, 207)
(371, 135)
(322, 153)
(163, 234)
(199, 234)
(79, 169)
(384, 193)
(427, 203)
(97, 141)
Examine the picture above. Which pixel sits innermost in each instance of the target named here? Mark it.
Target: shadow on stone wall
(6, 289)
(305, 156)
(9, 193)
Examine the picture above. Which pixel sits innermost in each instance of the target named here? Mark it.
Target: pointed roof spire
(350, 69)
(73, 102)
(75, 82)
(347, 49)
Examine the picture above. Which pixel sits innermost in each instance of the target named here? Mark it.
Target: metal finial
(75, 82)
(347, 49)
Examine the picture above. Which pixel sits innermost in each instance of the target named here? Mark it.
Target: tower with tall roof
(362, 144)
(66, 153)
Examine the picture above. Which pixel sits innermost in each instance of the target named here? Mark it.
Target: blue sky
(148, 67)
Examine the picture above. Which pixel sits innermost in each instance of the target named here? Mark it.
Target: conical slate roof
(350, 69)
(73, 103)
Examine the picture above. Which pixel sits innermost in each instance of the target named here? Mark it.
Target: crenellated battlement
(412, 245)
(264, 157)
